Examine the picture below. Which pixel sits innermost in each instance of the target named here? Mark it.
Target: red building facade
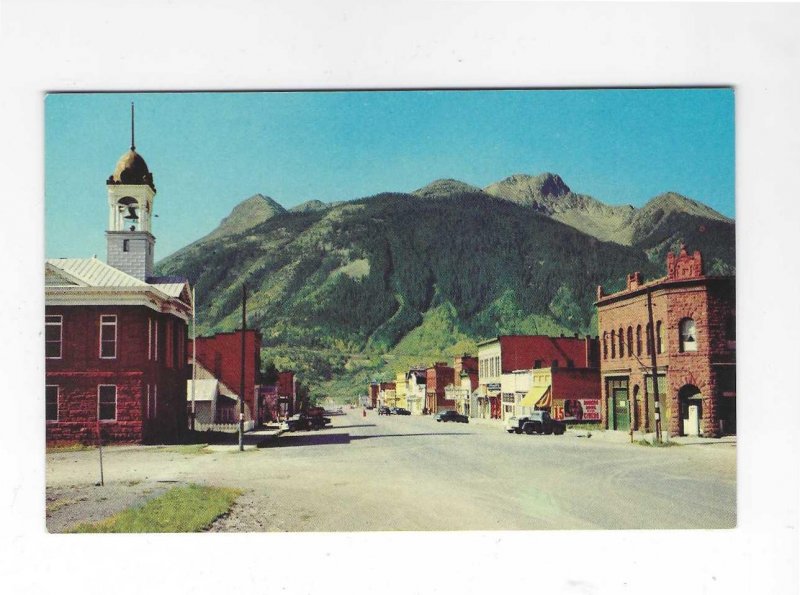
(509, 353)
(437, 377)
(693, 336)
(115, 355)
(221, 354)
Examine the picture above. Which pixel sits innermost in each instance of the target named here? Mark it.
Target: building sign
(577, 410)
(493, 387)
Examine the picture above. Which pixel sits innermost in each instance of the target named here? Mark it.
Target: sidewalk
(620, 437)
(251, 439)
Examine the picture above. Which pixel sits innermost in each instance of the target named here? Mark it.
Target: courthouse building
(115, 335)
(693, 334)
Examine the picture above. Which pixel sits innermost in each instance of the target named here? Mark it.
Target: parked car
(538, 422)
(305, 421)
(450, 415)
(401, 411)
(384, 411)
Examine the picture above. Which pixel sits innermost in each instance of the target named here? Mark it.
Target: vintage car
(538, 422)
(305, 421)
(384, 411)
(450, 415)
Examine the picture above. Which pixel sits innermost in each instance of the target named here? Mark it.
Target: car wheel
(528, 430)
(518, 430)
(511, 431)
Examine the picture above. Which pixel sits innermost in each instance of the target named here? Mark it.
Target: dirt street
(412, 473)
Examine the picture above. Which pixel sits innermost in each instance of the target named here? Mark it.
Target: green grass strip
(185, 509)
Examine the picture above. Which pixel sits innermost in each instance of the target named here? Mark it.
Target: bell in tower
(131, 192)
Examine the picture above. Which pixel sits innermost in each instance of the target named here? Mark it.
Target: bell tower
(129, 239)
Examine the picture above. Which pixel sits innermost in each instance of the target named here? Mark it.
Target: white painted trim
(100, 339)
(60, 335)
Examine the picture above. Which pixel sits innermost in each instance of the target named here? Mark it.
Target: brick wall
(80, 371)
(710, 303)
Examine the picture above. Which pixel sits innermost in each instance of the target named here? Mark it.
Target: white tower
(131, 192)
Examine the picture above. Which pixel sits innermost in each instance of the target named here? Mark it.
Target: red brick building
(694, 340)
(437, 377)
(115, 351)
(115, 335)
(509, 353)
(221, 354)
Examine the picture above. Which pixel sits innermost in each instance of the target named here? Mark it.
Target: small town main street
(412, 473)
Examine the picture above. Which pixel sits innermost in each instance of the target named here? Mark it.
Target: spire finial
(133, 145)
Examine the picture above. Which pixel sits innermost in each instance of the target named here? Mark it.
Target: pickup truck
(538, 422)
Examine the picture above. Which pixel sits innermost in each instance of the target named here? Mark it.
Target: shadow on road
(353, 426)
(321, 438)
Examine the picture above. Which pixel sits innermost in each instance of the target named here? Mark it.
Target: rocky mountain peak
(530, 190)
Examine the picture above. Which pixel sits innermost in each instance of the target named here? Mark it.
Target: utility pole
(651, 338)
(241, 384)
(194, 357)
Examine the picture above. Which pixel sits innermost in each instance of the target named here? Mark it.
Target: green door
(622, 418)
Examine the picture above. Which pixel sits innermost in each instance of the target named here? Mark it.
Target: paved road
(411, 473)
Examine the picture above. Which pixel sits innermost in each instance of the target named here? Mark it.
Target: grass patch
(185, 509)
(187, 449)
(663, 444)
(76, 447)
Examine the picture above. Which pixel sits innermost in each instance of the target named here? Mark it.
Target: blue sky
(210, 151)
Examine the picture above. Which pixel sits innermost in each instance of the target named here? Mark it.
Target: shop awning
(536, 396)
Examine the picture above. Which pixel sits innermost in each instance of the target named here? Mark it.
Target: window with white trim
(53, 332)
(51, 402)
(688, 335)
(108, 336)
(107, 402)
(149, 340)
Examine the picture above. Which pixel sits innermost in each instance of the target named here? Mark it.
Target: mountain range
(350, 291)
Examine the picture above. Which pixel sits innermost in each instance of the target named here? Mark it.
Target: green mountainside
(358, 290)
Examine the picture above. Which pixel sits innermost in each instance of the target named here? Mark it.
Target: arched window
(630, 341)
(659, 337)
(613, 345)
(638, 339)
(648, 338)
(688, 335)
(621, 337)
(605, 345)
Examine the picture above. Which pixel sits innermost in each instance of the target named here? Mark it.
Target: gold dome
(131, 169)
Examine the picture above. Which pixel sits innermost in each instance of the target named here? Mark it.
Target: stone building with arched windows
(694, 340)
